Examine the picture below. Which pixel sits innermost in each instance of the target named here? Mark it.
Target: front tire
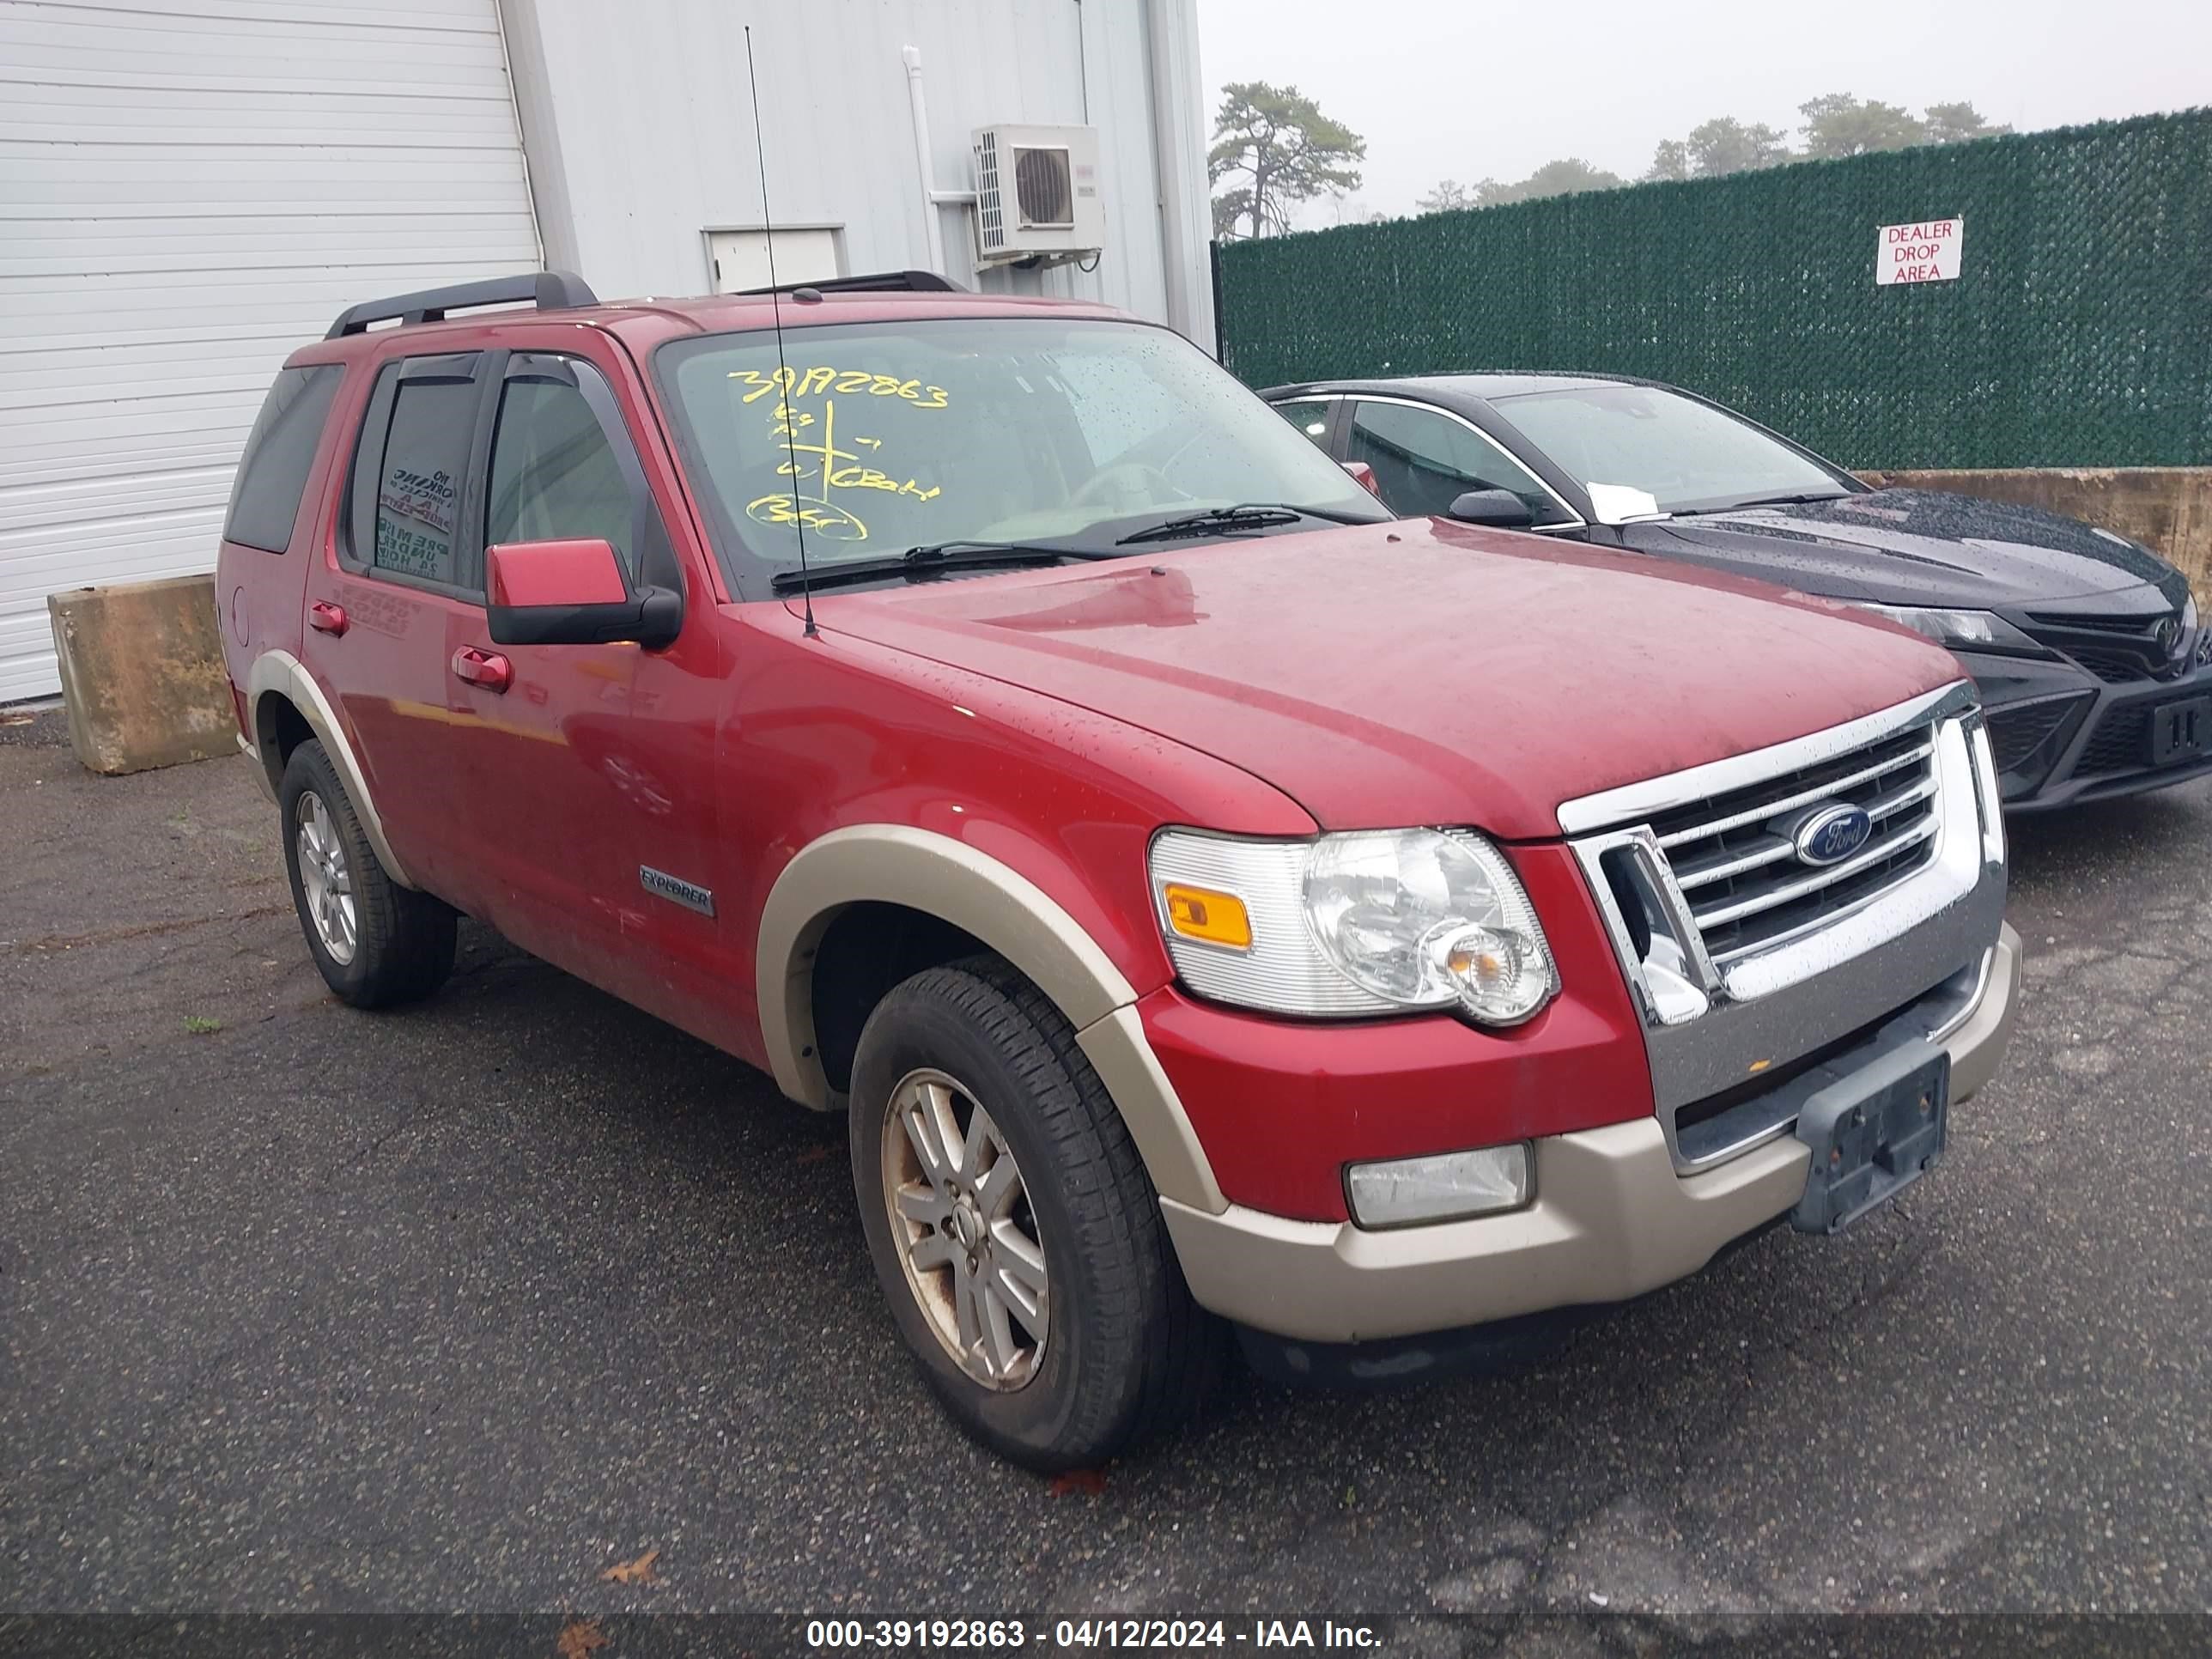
(1012, 1226)
(375, 942)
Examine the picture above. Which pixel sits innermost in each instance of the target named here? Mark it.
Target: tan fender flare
(894, 864)
(281, 672)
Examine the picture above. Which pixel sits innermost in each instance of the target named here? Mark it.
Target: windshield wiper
(926, 559)
(1765, 501)
(1245, 515)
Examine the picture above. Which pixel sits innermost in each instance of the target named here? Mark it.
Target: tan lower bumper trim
(1977, 1046)
(260, 772)
(1611, 1221)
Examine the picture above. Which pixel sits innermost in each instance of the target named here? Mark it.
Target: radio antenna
(783, 368)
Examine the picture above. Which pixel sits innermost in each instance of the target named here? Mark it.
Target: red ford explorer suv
(1216, 906)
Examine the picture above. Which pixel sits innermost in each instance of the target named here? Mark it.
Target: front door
(1426, 458)
(590, 813)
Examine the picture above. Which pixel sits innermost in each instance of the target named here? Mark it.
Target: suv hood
(1416, 673)
(1920, 547)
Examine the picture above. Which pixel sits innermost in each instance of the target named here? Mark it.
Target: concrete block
(143, 674)
(2167, 508)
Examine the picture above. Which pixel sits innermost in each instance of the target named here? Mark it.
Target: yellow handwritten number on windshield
(819, 381)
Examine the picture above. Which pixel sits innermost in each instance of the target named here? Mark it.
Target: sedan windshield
(1689, 456)
(879, 438)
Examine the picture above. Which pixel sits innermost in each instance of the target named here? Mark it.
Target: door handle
(486, 668)
(326, 618)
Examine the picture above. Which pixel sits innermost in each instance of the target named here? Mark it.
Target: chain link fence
(2079, 332)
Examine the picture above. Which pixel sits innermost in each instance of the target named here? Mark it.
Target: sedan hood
(1416, 673)
(1920, 547)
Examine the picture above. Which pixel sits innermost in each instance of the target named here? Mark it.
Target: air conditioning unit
(1037, 195)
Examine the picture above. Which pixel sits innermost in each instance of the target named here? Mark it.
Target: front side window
(1688, 456)
(554, 473)
(1425, 460)
(881, 437)
(272, 474)
(415, 527)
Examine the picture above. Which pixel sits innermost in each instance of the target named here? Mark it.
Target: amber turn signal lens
(1211, 918)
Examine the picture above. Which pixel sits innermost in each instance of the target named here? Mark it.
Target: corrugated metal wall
(188, 189)
(642, 136)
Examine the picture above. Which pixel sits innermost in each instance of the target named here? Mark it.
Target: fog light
(1447, 1187)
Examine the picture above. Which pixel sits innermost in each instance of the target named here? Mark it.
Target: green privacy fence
(2078, 333)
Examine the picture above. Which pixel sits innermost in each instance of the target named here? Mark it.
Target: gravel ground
(306, 1309)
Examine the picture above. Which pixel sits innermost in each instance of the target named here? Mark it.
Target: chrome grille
(1734, 855)
(1743, 959)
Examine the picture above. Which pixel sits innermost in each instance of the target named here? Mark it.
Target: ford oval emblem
(1832, 833)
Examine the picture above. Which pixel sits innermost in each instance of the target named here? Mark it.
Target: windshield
(1691, 457)
(879, 437)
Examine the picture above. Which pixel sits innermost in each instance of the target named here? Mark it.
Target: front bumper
(1611, 1219)
(2063, 737)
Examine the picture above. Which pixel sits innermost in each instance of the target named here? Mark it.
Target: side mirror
(1363, 476)
(573, 593)
(1499, 509)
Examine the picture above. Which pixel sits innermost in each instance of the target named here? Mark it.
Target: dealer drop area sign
(1925, 253)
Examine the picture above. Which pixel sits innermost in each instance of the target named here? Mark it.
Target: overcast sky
(1469, 89)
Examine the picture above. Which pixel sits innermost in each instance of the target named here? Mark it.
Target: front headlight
(1374, 921)
(1961, 630)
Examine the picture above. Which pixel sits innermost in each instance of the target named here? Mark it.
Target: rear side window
(410, 473)
(272, 474)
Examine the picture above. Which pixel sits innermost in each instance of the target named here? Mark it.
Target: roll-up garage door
(188, 189)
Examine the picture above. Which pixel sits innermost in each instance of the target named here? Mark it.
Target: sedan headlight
(1961, 630)
(1373, 921)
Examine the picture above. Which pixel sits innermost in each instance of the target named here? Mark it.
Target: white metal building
(189, 188)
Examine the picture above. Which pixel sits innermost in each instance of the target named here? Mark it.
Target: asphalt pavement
(302, 1309)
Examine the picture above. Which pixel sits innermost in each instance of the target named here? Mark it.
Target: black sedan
(2085, 645)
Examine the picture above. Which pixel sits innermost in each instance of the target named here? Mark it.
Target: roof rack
(552, 290)
(881, 282)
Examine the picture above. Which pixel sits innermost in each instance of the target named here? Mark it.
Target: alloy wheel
(326, 883)
(964, 1229)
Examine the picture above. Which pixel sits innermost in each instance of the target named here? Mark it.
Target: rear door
(401, 589)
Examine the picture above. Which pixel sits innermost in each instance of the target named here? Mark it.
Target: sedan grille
(2121, 743)
(2019, 730)
(2113, 667)
(1735, 855)
(2115, 649)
